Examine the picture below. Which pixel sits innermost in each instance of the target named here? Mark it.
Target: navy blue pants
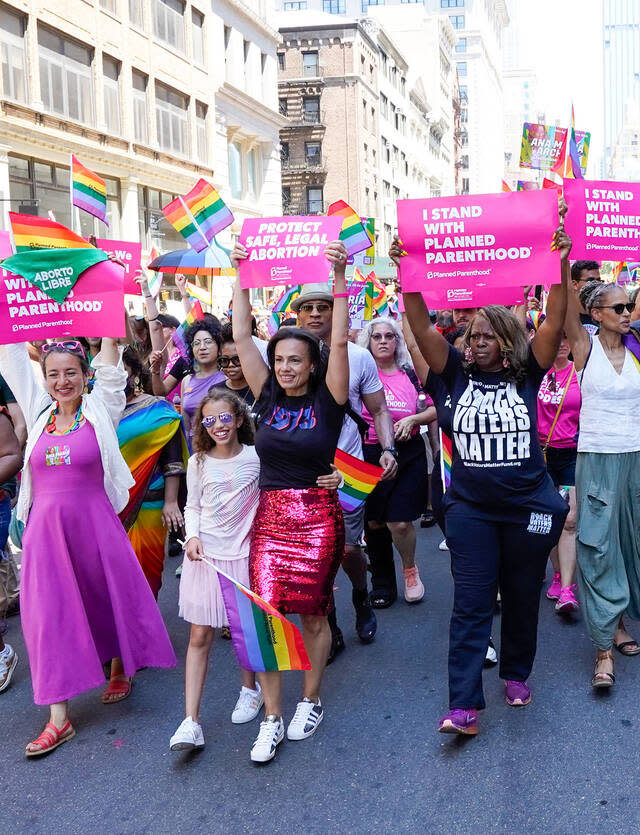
(508, 550)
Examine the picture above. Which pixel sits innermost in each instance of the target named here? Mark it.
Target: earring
(468, 354)
(506, 362)
(137, 384)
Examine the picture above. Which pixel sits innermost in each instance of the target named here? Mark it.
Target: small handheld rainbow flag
(353, 234)
(200, 293)
(196, 314)
(183, 222)
(31, 232)
(536, 317)
(282, 307)
(573, 170)
(209, 210)
(88, 191)
(359, 479)
(263, 639)
(446, 459)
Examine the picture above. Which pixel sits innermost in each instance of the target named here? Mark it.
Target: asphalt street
(568, 762)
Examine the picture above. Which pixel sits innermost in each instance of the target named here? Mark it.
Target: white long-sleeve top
(222, 500)
(102, 408)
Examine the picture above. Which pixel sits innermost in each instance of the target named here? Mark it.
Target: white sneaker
(248, 705)
(306, 719)
(443, 546)
(188, 736)
(8, 661)
(269, 737)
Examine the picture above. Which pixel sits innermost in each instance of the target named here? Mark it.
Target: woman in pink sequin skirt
(298, 535)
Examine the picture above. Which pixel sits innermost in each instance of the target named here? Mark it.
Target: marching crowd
(106, 474)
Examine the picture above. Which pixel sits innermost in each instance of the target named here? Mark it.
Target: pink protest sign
(486, 239)
(287, 250)
(95, 307)
(130, 253)
(603, 220)
(462, 297)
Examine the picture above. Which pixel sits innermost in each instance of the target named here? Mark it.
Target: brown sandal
(602, 680)
(50, 738)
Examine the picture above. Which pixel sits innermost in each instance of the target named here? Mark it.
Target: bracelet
(155, 318)
(340, 295)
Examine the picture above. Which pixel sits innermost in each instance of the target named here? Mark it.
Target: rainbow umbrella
(214, 260)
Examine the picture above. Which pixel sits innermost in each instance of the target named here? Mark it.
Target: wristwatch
(392, 450)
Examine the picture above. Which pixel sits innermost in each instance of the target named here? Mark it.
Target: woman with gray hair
(607, 472)
(398, 502)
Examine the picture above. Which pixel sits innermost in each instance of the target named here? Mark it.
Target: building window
(253, 173)
(334, 6)
(65, 77)
(464, 115)
(465, 185)
(311, 110)
(168, 22)
(297, 6)
(202, 142)
(284, 153)
(140, 107)
(283, 107)
(464, 96)
(386, 188)
(451, 4)
(14, 57)
(310, 64)
(286, 200)
(457, 21)
(235, 169)
(312, 153)
(136, 13)
(384, 105)
(315, 201)
(461, 45)
(111, 91)
(462, 68)
(155, 229)
(366, 152)
(280, 60)
(110, 6)
(197, 36)
(171, 119)
(411, 1)
(367, 3)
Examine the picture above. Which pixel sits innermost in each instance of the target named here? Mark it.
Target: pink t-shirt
(401, 397)
(565, 434)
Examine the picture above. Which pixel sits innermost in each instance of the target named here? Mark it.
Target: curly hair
(594, 292)
(138, 368)
(401, 355)
(212, 328)
(511, 340)
(202, 440)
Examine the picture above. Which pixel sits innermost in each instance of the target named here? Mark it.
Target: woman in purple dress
(84, 598)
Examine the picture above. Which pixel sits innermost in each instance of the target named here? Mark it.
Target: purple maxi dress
(84, 598)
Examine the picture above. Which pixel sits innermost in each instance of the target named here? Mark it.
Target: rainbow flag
(359, 479)
(574, 169)
(31, 232)
(536, 317)
(353, 234)
(446, 459)
(183, 222)
(506, 186)
(263, 639)
(282, 307)
(209, 211)
(196, 314)
(88, 191)
(200, 293)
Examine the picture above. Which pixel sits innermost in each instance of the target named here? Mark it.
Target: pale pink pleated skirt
(200, 599)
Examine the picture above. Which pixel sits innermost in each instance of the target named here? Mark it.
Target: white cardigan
(102, 408)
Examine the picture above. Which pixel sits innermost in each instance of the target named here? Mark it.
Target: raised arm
(338, 367)
(155, 328)
(110, 379)
(547, 339)
(181, 284)
(254, 367)
(431, 343)
(579, 339)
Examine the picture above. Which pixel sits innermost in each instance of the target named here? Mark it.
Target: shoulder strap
(560, 404)
(411, 374)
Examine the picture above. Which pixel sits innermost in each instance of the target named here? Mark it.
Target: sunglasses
(321, 307)
(619, 308)
(223, 417)
(71, 345)
(225, 362)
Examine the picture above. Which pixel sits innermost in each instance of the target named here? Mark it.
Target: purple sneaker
(553, 592)
(459, 721)
(517, 693)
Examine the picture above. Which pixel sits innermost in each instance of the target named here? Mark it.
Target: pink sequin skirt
(297, 545)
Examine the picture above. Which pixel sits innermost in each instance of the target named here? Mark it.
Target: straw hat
(312, 292)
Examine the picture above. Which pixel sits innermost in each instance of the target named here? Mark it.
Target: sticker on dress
(56, 455)
(540, 523)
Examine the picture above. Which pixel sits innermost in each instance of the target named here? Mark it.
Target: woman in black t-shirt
(298, 534)
(502, 513)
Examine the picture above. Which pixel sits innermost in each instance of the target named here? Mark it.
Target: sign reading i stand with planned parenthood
(287, 250)
(490, 239)
(603, 219)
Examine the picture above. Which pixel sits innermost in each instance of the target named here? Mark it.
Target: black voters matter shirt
(296, 439)
(497, 459)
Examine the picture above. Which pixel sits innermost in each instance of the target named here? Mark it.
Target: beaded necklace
(51, 423)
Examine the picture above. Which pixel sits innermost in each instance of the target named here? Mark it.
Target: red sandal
(120, 687)
(51, 737)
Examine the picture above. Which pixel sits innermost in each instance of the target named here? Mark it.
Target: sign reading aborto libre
(491, 240)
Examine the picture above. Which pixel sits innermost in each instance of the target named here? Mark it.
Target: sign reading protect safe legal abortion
(603, 219)
(287, 250)
(489, 239)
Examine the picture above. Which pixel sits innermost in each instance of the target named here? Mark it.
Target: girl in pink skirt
(84, 599)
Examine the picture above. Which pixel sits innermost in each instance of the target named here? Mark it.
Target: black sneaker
(366, 624)
(337, 645)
